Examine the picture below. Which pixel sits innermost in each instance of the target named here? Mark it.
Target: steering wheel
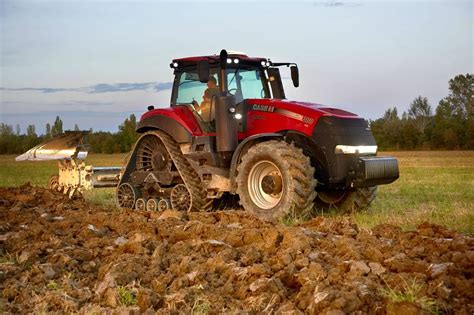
(232, 91)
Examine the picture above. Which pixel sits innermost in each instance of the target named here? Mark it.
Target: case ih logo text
(264, 108)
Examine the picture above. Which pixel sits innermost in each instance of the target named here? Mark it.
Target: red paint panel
(181, 114)
(267, 122)
(276, 120)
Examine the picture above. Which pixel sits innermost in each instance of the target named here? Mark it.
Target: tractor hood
(276, 115)
(312, 110)
(323, 109)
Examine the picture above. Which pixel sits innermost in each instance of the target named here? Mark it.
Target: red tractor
(231, 132)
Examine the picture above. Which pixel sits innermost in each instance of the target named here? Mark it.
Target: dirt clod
(61, 255)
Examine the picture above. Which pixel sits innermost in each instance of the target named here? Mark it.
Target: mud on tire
(275, 178)
(346, 201)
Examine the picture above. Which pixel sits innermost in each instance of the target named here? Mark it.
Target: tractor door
(197, 96)
(246, 83)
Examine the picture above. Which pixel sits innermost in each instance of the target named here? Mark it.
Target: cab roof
(214, 59)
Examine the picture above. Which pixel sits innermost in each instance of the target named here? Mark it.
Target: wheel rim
(140, 204)
(180, 198)
(331, 197)
(152, 155)
(126, 196)
(163, 204)
(262, 194)
(151, 205)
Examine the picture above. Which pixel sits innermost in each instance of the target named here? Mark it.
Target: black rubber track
(199, 200)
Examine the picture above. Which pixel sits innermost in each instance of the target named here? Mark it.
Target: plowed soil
(59, 255)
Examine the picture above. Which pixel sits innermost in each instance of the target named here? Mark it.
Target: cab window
(246, 83)
(190, 88)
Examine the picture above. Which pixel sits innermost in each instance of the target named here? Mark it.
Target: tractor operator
(205, 108)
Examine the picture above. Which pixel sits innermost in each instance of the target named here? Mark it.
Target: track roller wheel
(163, 204)
(152, 205)
(126, 195)
(274, 179)
(181, 198)
(140, 204)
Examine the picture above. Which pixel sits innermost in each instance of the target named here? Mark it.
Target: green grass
(293, 218)
(437, 187)
(201, 306)
(412, 292)
(53, 285)
(126, 296)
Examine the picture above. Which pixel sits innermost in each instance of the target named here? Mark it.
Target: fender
(310, 148)
(168, 125)
(242, 148)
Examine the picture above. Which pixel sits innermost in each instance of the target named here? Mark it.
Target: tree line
(449, 127)
(12, 141)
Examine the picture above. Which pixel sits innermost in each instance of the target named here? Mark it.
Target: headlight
(356, 149)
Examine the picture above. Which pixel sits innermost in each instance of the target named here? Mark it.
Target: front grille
(332, 131)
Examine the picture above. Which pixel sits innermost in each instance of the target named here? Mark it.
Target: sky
(96, 62)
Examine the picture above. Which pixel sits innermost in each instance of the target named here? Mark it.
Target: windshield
(244, 83)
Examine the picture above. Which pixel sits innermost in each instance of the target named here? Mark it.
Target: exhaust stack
(226, 126)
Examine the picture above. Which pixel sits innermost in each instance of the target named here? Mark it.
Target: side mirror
(203, 71)
(295, 76)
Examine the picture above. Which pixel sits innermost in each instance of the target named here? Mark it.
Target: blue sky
(95, 62)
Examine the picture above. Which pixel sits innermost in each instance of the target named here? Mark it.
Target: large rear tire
(347, 201)
(275, 179)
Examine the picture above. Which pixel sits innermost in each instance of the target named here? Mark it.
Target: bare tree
(420, 112)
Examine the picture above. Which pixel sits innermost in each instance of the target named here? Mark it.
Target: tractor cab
(199, 80)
